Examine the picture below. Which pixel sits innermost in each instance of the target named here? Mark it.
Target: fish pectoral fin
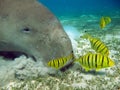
(86, 69)
(97, 69)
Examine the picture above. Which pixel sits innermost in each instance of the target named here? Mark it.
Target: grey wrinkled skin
(29, 27)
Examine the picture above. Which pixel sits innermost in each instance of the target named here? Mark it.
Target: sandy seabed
(74, 78)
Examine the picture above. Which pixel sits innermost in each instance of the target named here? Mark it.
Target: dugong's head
(28, 27)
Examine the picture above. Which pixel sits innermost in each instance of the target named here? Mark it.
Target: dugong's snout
(52, 44)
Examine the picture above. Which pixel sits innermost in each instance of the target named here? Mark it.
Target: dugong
(28, 27)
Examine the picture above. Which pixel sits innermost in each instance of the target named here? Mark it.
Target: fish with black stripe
(104, 21)
(96, 61)
(60, 62)
(97, 44)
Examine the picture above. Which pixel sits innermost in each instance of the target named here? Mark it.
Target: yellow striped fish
(107, 20)
(95, 61)
(97, 45)
(104, 21)
(60, 62)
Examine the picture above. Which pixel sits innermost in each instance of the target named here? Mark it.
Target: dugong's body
(28, 27)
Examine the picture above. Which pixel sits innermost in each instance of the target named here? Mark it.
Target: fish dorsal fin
(89, 53)
(97, 38)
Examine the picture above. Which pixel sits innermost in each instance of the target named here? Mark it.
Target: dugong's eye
(26, 30)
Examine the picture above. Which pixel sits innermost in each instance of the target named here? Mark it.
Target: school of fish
(89, 61)
(98, 60)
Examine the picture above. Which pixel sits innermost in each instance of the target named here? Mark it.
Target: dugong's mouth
(10, 51)
(11, 55)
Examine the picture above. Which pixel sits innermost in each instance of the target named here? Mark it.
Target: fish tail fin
(111, 63)
(76, 60)
(71, 56)
(86, 36)
(107, 20)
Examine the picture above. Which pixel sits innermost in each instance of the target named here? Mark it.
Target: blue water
(84, 15)
(76, 7)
